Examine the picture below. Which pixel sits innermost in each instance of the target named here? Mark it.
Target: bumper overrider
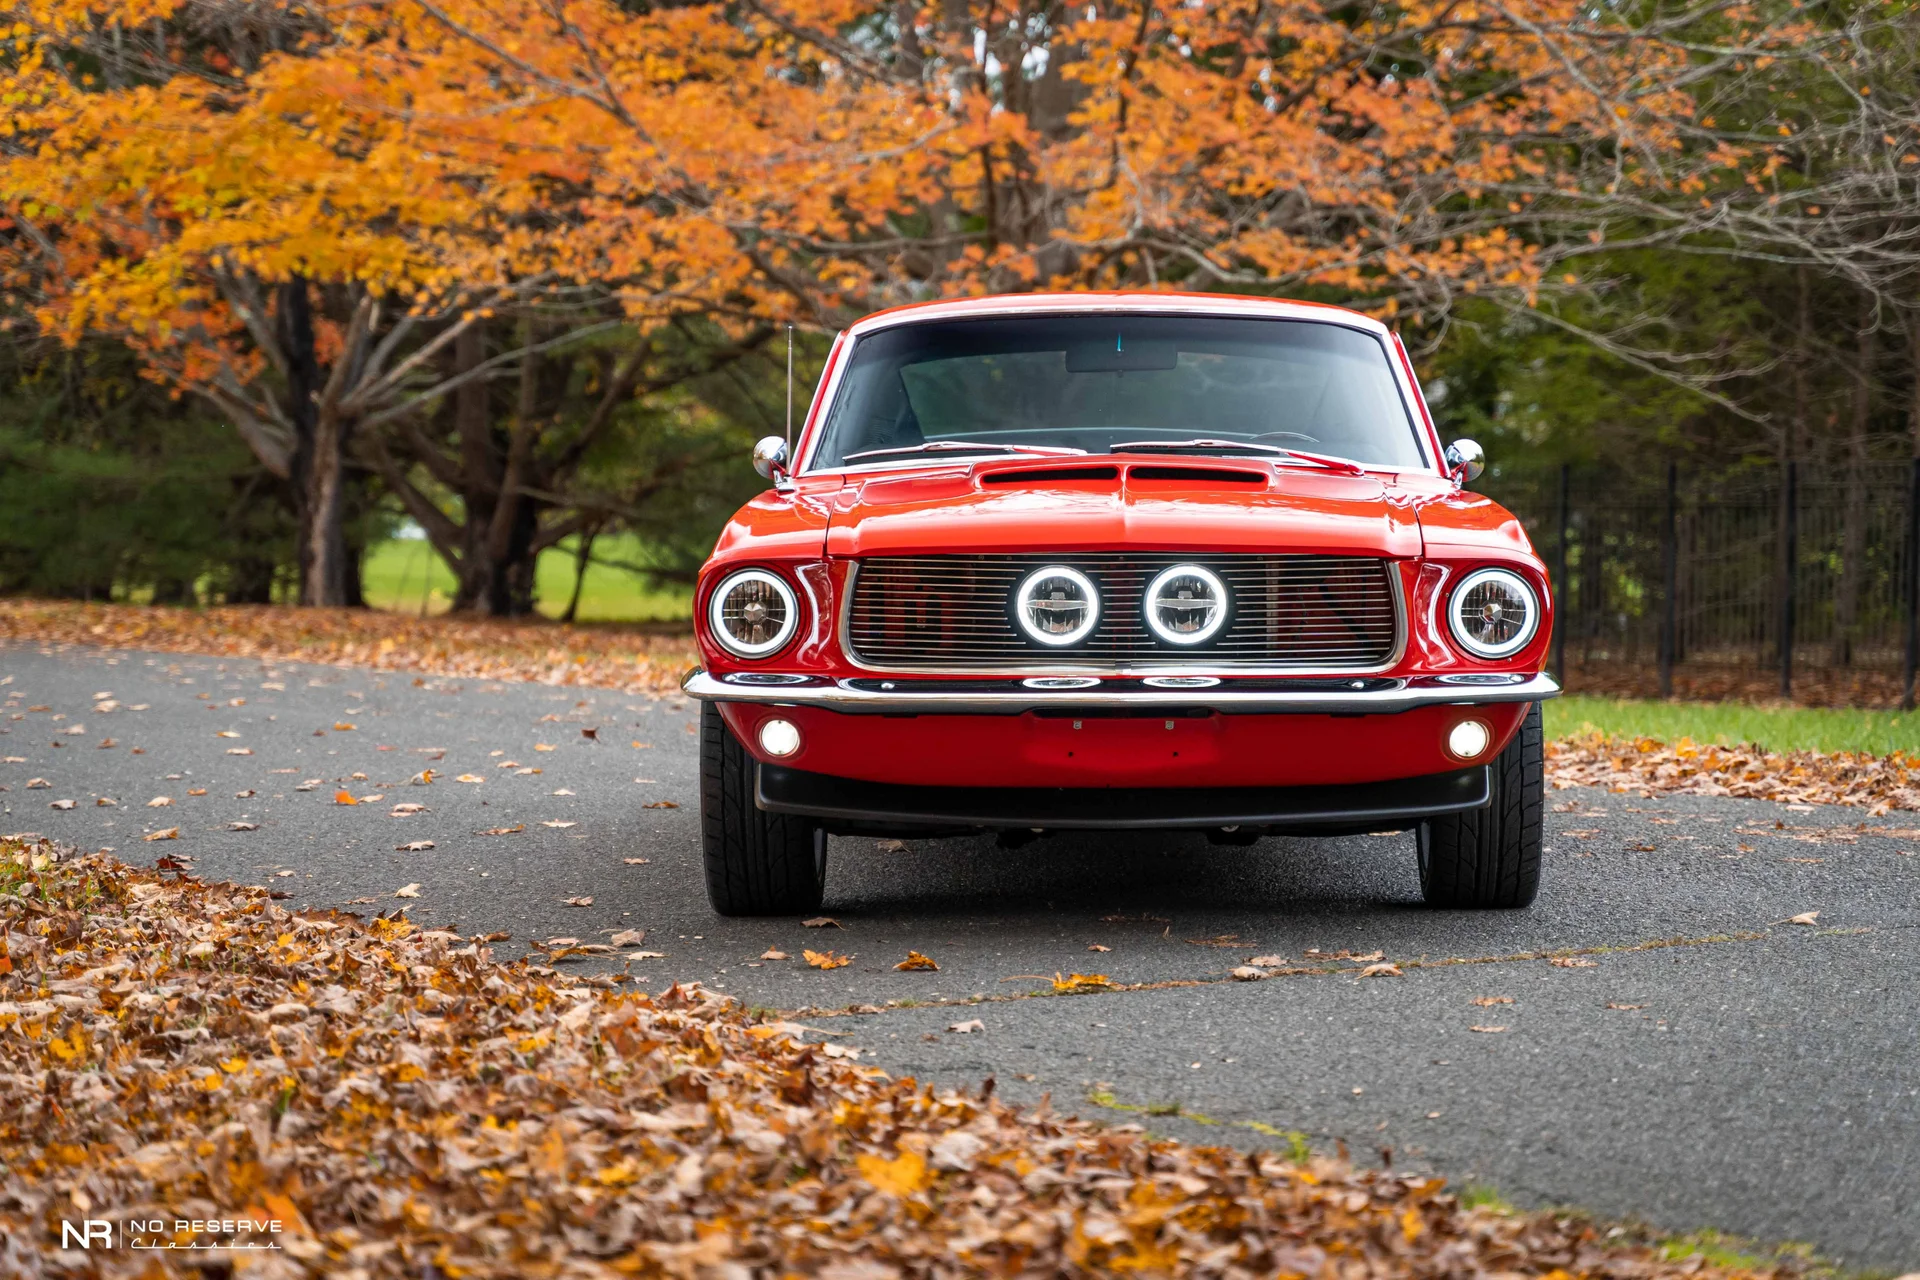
(1214, 729)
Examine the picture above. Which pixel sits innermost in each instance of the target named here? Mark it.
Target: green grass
(406, 576)
(1731, 723)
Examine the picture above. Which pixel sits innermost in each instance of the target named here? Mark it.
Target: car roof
(1201, 304)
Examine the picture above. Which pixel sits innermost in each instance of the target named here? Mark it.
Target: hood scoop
(1049, 475)
(1197, 475)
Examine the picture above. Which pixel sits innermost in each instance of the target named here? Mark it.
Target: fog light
(1466, 740)
(780, 738)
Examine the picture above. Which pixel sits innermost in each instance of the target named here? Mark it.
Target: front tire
(1491, 857)
(757, 863)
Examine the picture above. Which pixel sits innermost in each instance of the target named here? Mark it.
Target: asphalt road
(1705, 1065)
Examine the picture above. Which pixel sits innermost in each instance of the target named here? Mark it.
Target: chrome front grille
(954, 613)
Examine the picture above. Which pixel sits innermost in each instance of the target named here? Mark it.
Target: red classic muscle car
(1058, 562)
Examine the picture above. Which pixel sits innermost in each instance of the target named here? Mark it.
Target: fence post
(1790, 516)
(1912, 592)
(1670, 548)
(1563, 588)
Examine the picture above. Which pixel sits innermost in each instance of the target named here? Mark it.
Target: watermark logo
(86, 1234)
(197, 1234)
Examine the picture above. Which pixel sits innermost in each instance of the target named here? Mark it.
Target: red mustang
(1193, 562)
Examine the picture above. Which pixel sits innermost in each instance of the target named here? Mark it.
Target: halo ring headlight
(1186, 604)
(1493, 613)
(753, 613)
(1056, 606)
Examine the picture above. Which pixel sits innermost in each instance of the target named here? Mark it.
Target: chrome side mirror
(770, 457)
(1466, 461)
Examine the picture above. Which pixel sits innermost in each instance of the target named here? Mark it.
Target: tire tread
(1490, 857)
(756, 863)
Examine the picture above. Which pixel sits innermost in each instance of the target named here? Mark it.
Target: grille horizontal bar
(940, 612)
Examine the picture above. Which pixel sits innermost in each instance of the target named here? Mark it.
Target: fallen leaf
(585, 900)
(660, 804)
(1487, 1002)
(1611, 1005)
(821, 922)
(900, 1177)
(283, 874)
(915, 960)
(628, 938)
(1082, 982)
(413, 846)
(543, 746)
(641, 746)
(106, 743)
(103, 802)
(35, 784)
(243, 795)
(1805, 917)
(561, 792)
(967, 1028)
(891, 846)
(158, 802)
(424, 778)
(515, 829)
(1269, 962)
(344, 797)
(1487, 1030)
(407, 891)
(1383, 970)
(826, 959)
(197, 791)
(342, 726)
(226, 733)
(1095, 946)
(407, 810)
(772, 954)
(1572, 962)
(591, 734)
(636, 862)
(360, 902)
(169, 833)
(521, 773)
(469, 777)
(243, 826)
(61, 804)
(1247, 973)
(558, 822)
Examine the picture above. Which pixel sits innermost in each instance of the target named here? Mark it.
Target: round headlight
(1057, 605)
(1186, 604)
(753, 613)
(1494, 613)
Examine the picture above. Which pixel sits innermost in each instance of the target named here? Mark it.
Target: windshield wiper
(1205, 445)
(960, 446)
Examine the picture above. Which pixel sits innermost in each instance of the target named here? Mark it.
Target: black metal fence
(1788, 573)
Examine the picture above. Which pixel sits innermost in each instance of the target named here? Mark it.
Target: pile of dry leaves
(1651, 767)
(195, 1063)
(1813, 686)
(606, 657)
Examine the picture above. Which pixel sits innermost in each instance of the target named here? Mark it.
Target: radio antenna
(789, 389)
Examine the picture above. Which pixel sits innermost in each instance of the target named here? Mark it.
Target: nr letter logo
(85, 1233)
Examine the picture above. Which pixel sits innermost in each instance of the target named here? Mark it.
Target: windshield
(1118, 383)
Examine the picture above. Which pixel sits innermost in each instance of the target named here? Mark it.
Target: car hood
(1235, 506)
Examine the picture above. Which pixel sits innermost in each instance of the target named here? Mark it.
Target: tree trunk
(582, 556)
(1853, 537)
(324, 558)
(319, 457)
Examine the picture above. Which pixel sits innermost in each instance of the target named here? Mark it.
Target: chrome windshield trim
(1376, 696)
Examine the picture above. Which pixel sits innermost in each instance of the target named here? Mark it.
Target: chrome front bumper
(1352, 695)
